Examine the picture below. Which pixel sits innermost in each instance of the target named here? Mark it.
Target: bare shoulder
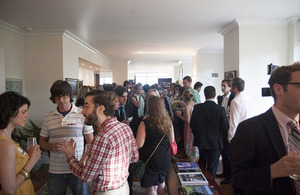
(7, 148)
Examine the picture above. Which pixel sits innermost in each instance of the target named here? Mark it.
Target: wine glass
(31, 142)
(60, 140)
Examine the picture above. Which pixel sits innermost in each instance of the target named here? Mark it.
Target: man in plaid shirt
(110, 152)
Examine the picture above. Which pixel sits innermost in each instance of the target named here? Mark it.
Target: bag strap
(155, 149)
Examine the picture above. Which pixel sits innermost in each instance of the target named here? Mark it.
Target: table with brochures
(173, 182)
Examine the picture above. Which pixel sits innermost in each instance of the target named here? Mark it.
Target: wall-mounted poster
(165, 82)
(14, 85)
(74, 83)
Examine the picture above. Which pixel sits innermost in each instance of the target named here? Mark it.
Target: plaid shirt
(112, 150)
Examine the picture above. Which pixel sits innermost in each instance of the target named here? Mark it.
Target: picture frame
(229, 75)
(15, 85)
(74, 83)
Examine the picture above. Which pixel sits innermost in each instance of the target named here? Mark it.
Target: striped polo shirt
(58, 128)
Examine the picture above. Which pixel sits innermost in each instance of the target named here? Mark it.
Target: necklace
(6, 135)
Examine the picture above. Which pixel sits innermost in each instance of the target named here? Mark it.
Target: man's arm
(89, 137)
(234, 120)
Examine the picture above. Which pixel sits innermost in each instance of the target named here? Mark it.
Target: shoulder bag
(138, 169)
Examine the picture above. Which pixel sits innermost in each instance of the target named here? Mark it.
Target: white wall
(12, 44)
(188, 65)
(87, 75)
(209, 63)
(73, 49)
(2, 71)
(43, 66)
(294, 40)
(269, 45)
(120, 71)
(231, 48)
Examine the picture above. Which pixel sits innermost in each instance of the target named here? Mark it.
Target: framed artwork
(15, 85)
(230, 75)
(74, 83)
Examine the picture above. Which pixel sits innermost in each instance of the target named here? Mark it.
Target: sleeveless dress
(21, 159)
(191, 151)
(160, 162)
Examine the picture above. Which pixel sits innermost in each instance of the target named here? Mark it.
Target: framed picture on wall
(230, 75)
(14, 85)
(74, 83)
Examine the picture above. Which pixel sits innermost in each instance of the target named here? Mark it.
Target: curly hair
(158, 117)
(10, 102)
(59, 88)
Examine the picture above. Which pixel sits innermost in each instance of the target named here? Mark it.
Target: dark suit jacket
(220, 99)
(209, 125)
(256, 145)
(127, 110)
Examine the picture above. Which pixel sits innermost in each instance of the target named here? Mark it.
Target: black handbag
(138, 169)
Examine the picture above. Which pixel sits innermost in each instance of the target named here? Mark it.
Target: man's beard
(92, 118)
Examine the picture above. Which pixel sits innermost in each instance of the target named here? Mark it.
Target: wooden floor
(39, 178)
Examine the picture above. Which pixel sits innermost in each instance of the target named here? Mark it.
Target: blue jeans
(57, 184)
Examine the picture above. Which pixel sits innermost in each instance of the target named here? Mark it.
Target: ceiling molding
(11, 28)
(229, 27)
(293, 19)
(84, 44)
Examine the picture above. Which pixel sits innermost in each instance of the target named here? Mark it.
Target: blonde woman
(81, 95)
(187, 97)
(15, 163)
(151, 130)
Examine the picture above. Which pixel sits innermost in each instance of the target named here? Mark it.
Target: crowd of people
(108, 128)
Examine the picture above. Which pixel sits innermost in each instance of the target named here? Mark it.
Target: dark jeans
(57, 184)
(210, 159)
(226, 160)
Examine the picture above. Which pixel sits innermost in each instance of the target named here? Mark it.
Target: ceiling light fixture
(128, 62)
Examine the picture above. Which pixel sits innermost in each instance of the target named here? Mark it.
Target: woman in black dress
(151, 130)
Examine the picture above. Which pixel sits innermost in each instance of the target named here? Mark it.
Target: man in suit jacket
(224, 101)
(261, 164)
(209, 126)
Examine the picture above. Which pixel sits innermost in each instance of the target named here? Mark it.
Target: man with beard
(111, 151)
(64, 122)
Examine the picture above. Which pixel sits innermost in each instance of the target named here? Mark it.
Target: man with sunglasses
(63, 123)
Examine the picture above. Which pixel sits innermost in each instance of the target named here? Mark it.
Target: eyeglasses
(62, 96)
(294, 83)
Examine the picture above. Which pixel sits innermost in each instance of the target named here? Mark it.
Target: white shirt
(241, 108)
(225, 100)
(55, 126)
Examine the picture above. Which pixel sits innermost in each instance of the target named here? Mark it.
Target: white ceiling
(144, 31)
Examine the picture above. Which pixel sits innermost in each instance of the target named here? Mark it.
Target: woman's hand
(68, 148)
(34, 153)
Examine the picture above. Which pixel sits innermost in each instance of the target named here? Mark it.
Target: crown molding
(11, 28)
(84, 44)
(293, 19)
(229, 27)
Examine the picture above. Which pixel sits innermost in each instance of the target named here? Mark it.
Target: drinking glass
(59, 141)
(31, 142)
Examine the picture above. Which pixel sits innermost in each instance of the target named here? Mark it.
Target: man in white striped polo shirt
(64, 122)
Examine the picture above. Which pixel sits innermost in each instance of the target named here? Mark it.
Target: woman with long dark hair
(15, 163)
(156, 127)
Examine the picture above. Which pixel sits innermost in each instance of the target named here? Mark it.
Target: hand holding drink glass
(33, 149)
(31, 142)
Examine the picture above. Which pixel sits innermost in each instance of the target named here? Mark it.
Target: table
(173, 182)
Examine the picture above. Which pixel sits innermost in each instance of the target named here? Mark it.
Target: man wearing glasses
(263, 162)
(63, 123)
